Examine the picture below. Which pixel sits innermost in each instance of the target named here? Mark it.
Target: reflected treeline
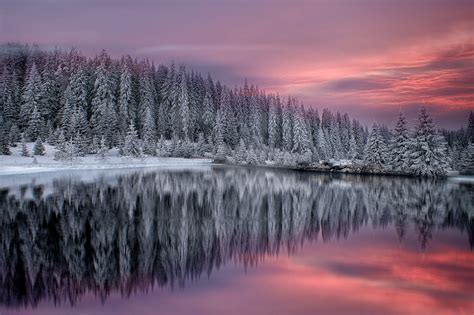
(147, 229)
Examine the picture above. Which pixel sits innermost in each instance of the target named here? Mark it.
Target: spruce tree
(31, 96)
(131, 146)
(375, 150)
(24, 149)
(36, 124)
(400, 145)
(39, 149)
(427, 152)
(467, 160)
(103, 149)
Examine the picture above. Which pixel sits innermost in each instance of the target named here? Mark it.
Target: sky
(370, 58)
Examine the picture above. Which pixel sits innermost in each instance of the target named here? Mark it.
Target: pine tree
(219, 138)
(125, 107)
(467, 160)
(241, 152)
(60, 153)
(183, 100)
(162, 148)
(4, 145)
(287, 127)
(323, 149)
(375, 150)
(400, 145)
(208, 114)
(103, 149)
(149, 134)
(31, 96)
(35, 124)
(427, 153)
(353, 151)
(131, 146)
(301, 137)
(104, 119)
(470, 127)
(39, 149)
(273, 125)
(24, 149)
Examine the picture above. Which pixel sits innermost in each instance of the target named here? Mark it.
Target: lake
(234, 240)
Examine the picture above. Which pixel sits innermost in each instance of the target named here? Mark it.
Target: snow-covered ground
(16, 164)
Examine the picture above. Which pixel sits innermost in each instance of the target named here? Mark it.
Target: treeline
(89, 105)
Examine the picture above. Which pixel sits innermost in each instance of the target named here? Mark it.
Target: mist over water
(131, 233)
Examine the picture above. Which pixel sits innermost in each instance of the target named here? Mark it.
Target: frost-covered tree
(125, 107)
(104, 118)
(241, 152)
(31, 95)
(208, 114)
(287, 127)
(103, 149)
(427, 150)
(467, 160)
(273, 125)
(149, 133)
(353, 152)
(36, 124)
(219, 144)
(39, 149)
(183, 101)
(24, 149)
(301, 135)
(399, 145)
(376, 150)
(132, 146)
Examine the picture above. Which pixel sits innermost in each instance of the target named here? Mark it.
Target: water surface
(228, 240)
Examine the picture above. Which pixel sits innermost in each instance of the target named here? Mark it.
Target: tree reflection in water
(140, 230)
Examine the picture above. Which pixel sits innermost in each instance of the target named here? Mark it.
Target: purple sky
(369, 58)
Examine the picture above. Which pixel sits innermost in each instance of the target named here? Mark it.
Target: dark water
(235, 241)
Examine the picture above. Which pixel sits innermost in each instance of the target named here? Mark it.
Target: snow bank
(15, 164)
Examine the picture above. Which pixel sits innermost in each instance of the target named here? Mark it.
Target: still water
(229, 240)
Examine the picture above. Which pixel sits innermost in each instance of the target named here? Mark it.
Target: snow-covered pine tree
(208, 114)
(103, 149)
(376, 150)
(75, 105)
(132, 146)
(104, 118)
(60, 153)
(241, 152)
(31, 96)
(183, 100)
(470, 127)
(353, 152)
(287, 126)
(24, 149)
(228, 119)
(162, 148)
(219, 145)
(467, 160)
(427, 153)
(200, 147)
(125, 107)
(14, 135)
(399, 145)
(39, 149)
(4, 145)
(301, 136)
(149, 133)
(35, 125)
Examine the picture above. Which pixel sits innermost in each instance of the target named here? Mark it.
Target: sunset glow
(369, 58)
